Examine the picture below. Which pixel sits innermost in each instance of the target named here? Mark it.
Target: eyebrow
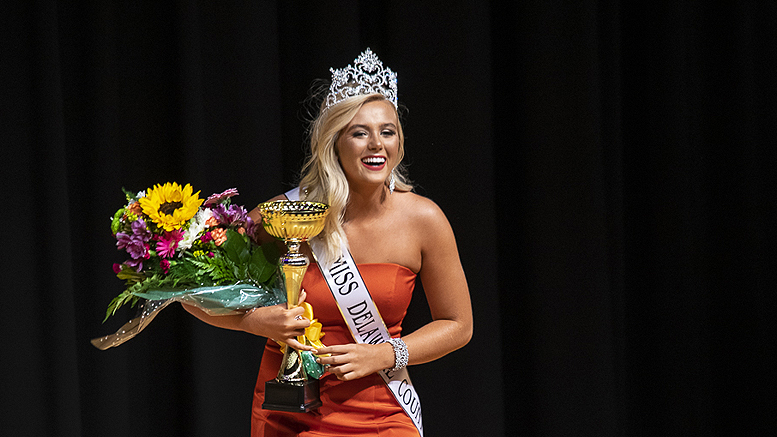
(364, 126)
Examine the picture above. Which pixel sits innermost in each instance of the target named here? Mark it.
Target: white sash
(365, 323)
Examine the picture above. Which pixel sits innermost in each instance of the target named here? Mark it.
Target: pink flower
(165, 265)
(167, 244)
(218, 198)
(116, 268)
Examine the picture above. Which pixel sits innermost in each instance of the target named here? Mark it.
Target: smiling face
(368, 147)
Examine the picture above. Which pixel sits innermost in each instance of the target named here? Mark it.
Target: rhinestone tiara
(368, 76)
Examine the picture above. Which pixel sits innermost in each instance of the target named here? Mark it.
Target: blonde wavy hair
(322, 178)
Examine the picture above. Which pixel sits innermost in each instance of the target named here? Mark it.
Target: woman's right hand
(278, 324)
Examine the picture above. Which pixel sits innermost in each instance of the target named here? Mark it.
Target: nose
(376, 143)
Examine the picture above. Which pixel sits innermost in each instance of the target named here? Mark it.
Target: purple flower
(134, 246)
(139, 233)
(251, 228)
(140, 229)
(232, 215)
(136, 264)
(135, 243)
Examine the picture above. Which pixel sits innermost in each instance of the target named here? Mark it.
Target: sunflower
(170, 205)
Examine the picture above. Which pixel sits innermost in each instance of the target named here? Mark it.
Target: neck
(365, 202)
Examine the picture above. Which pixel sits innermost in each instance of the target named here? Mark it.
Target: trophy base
(291, 398)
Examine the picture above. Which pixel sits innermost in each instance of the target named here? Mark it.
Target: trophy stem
(293, 265)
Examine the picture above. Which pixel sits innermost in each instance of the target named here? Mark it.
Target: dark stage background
(606, 166)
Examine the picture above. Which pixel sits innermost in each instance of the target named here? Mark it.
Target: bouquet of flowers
(186, 249)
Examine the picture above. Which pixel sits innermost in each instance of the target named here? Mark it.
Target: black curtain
(606, 167)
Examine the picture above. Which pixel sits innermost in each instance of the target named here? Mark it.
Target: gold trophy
(294, 222)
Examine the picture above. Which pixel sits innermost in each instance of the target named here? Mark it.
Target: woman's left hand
(353, 361)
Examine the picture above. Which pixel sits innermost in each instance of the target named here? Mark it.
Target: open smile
(374, 162)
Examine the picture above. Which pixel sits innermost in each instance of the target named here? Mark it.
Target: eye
(388, 132)
(359, 134)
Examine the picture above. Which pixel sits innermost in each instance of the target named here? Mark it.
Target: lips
(374, 162)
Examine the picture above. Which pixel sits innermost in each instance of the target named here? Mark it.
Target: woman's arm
(274, 322)
(446, 292)
(445, 285)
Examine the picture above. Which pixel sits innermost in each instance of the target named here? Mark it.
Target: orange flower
(219, 236)
(135, 208)
(211, 222)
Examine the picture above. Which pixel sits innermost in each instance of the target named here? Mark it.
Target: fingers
(296, 325)
(343, 372)
(294, 344)
(334, 350)
(329, 366)
(277, 314)
(350, 361)
(338, 363)
(298, 321)
(277, 322)
(297, 311)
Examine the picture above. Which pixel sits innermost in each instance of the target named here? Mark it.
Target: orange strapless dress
(364, 407)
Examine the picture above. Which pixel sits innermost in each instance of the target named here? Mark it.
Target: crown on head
(366, 77)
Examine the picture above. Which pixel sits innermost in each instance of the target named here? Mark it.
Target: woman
(393, 235)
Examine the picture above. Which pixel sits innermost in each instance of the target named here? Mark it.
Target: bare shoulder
(429, 229)
(422, 211)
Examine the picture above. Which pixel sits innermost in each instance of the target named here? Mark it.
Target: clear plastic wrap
(215, 301)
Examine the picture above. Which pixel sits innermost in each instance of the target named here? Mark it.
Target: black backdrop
(606, 166)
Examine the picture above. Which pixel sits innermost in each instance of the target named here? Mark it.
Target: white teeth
(376, 160)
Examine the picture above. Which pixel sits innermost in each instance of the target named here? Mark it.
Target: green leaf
(220, 269)
(129, 274)
(271, 253)
(237, 249)
(261, 268)
(118, 301)
(131, 197)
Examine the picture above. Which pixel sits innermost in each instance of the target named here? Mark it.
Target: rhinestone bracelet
(401, 356)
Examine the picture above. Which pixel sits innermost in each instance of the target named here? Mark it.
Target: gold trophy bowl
(294, 222)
